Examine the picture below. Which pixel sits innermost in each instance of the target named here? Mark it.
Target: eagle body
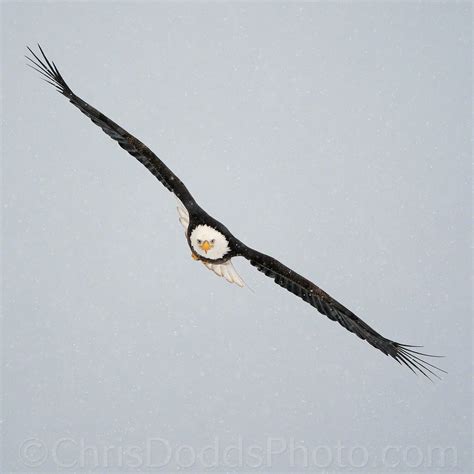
(200, 228)
(212, 244)
(203, 227)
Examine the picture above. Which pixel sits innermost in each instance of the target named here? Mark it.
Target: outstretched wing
(334, 310)
(127, 141)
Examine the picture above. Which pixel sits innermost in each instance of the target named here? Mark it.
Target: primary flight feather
(214, 245)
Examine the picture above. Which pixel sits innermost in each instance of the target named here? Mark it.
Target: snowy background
(335, 137)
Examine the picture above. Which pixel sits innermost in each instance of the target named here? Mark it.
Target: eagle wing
(126, 140)
(327, 305)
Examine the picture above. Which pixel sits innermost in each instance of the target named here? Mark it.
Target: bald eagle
(215, 246)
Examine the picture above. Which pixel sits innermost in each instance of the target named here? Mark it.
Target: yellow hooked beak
(206, 246)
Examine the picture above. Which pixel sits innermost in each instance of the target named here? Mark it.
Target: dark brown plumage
(126, 140)
(327, 305)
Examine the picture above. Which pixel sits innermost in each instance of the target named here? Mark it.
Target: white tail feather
(227, 271)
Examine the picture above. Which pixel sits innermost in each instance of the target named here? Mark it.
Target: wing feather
(328, 306)
(127, 141)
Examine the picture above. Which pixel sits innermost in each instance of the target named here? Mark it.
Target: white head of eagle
(208, 242)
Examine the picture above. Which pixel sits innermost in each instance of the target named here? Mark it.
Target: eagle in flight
(214, 245)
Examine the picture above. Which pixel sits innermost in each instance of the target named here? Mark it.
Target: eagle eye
(199, 241)
(213, 241)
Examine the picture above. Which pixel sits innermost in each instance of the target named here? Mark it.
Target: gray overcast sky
(333, 136)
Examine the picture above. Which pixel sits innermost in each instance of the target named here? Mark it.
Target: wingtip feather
(49, 70)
